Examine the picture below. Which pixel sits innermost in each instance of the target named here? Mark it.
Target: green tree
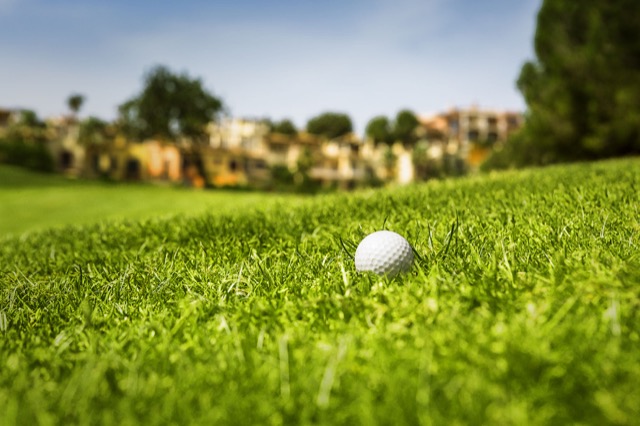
(94, 131)
(330, 125)
(285, 127)
(28, 128)
(170, 107)
(404, 127)
(75, 102)
(379, 130)
(583, 91)
(24, 143)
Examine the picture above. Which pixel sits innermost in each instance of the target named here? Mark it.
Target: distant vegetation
(171, 107)
(330, 124)
(23, 143)
(284, 127)
(403, 129)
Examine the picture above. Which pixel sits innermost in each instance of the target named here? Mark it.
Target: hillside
(521, 308)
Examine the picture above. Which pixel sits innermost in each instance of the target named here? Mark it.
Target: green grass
(30, 201)
(523, 308)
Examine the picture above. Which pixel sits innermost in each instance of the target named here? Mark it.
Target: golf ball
(385, 253)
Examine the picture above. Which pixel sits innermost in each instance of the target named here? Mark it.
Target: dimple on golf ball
(385, 253)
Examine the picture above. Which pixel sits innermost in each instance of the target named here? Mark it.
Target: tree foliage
(330, 125)
(75, 102)
(285, 127)
(27, 128)
(583, 91)
(379, 130)
(24, 143)
(403, 129)
(170, 106)
(94, 131)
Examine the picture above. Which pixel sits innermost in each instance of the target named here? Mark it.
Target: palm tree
(75, 102)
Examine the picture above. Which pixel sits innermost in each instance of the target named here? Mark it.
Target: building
(470, 134)
(340, 162)
(447, 143)
(245, 152)
(64, 145)
(119, 159)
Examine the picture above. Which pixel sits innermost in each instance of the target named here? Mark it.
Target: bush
(33, 156)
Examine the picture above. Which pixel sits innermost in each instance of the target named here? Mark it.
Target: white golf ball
(385, 253)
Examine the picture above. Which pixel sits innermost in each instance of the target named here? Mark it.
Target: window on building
(473, 135)
(492, 137)
(233, 165)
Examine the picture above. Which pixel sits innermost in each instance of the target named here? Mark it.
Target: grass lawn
(30, 201)
(522, 308)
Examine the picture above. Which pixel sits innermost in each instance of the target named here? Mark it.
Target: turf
(30, 201)
(523, 307)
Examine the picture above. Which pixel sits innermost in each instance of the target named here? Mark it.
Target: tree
(93, 131)
(28, 128)
(330, 124)
(379, 130)
(404, 127)
(583, 91)
(75, 102)
(285, 127)
(24, 143)
(171, 107)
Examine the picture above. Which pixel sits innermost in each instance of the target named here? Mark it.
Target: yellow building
(244, 152)
(151, 160)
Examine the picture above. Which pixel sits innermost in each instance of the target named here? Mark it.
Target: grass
(30, 201)
(523, 308)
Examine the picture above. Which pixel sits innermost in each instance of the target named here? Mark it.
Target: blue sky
(279, 59)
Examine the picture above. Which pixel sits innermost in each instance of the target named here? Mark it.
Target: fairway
(522, 308)
(30, 201)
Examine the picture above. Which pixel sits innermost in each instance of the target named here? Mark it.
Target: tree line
(174, 106)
